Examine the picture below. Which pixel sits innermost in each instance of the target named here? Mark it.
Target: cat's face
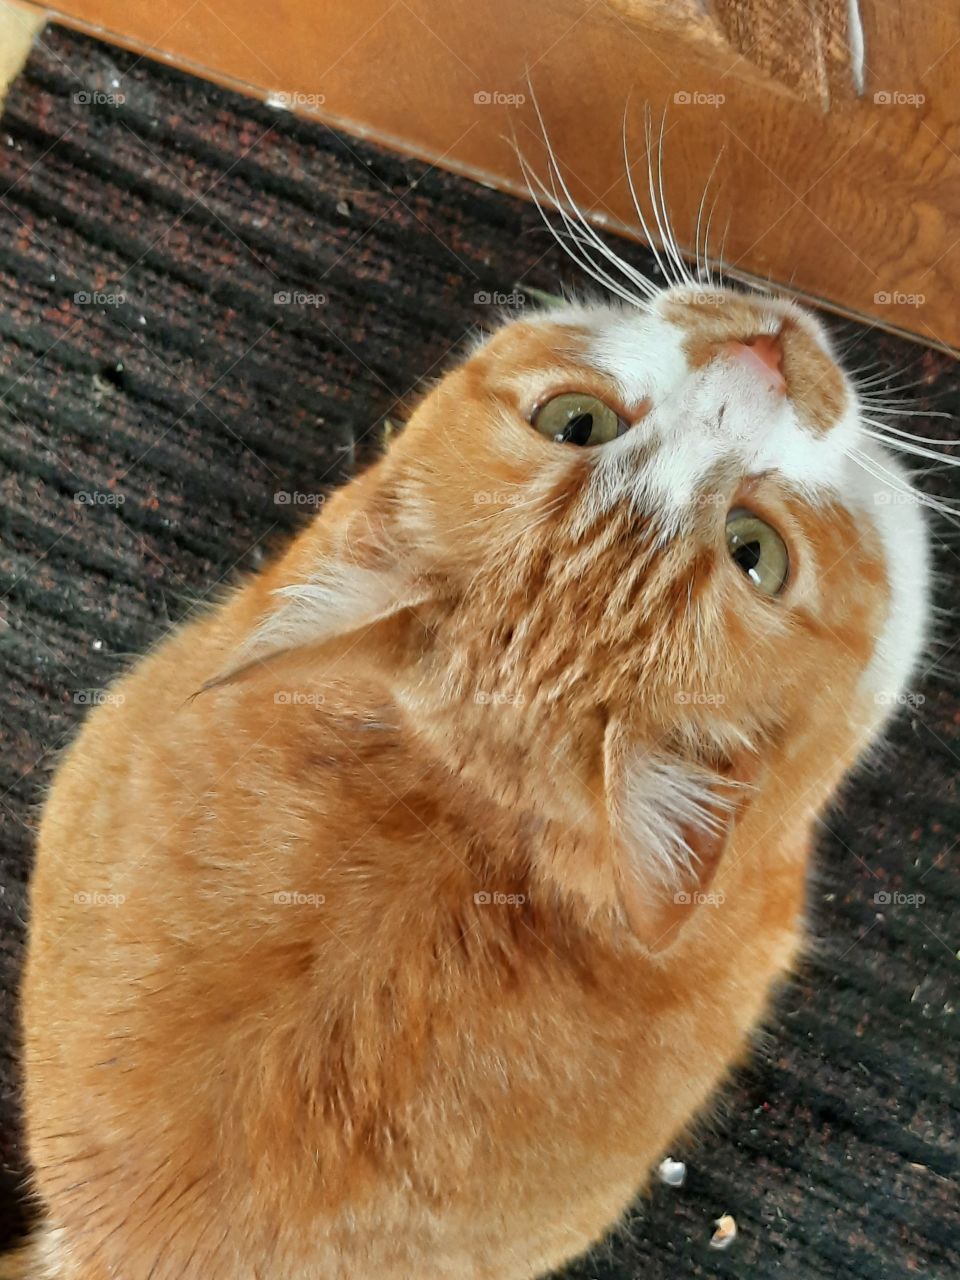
(675, 508)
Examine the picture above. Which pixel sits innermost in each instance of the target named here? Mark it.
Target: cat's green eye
(758, 550)
(578, 418)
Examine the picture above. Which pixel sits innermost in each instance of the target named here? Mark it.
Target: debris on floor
(672, 1172)
(726, 1232)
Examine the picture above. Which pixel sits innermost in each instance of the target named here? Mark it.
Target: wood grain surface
(857, 205)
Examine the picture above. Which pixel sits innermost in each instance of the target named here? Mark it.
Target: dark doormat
(207, 305)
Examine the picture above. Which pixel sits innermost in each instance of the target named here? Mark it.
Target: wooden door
(834, 125)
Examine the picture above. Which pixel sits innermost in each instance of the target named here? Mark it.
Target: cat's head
(634, 563)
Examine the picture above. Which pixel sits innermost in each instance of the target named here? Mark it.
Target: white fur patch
(338, 599)
(661, 801)
(886, 499)
(698, 419)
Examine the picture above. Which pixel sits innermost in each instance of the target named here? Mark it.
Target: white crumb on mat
(726, 1232)
(672, 1172)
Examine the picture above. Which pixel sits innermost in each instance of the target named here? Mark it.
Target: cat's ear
(336, 580)
(670, 821)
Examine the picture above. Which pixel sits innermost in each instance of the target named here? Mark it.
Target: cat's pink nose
(764, 356)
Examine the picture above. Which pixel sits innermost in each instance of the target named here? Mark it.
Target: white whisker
(883, 377)
(702, 264)
(675, 277)
(915, 451)
(706, 249)
(896, 410)
(671, 237)
(910, 438)
(641, 217)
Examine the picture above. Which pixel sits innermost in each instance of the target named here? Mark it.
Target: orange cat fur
(393, 918)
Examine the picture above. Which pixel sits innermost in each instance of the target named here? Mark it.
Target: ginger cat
(391, 919)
